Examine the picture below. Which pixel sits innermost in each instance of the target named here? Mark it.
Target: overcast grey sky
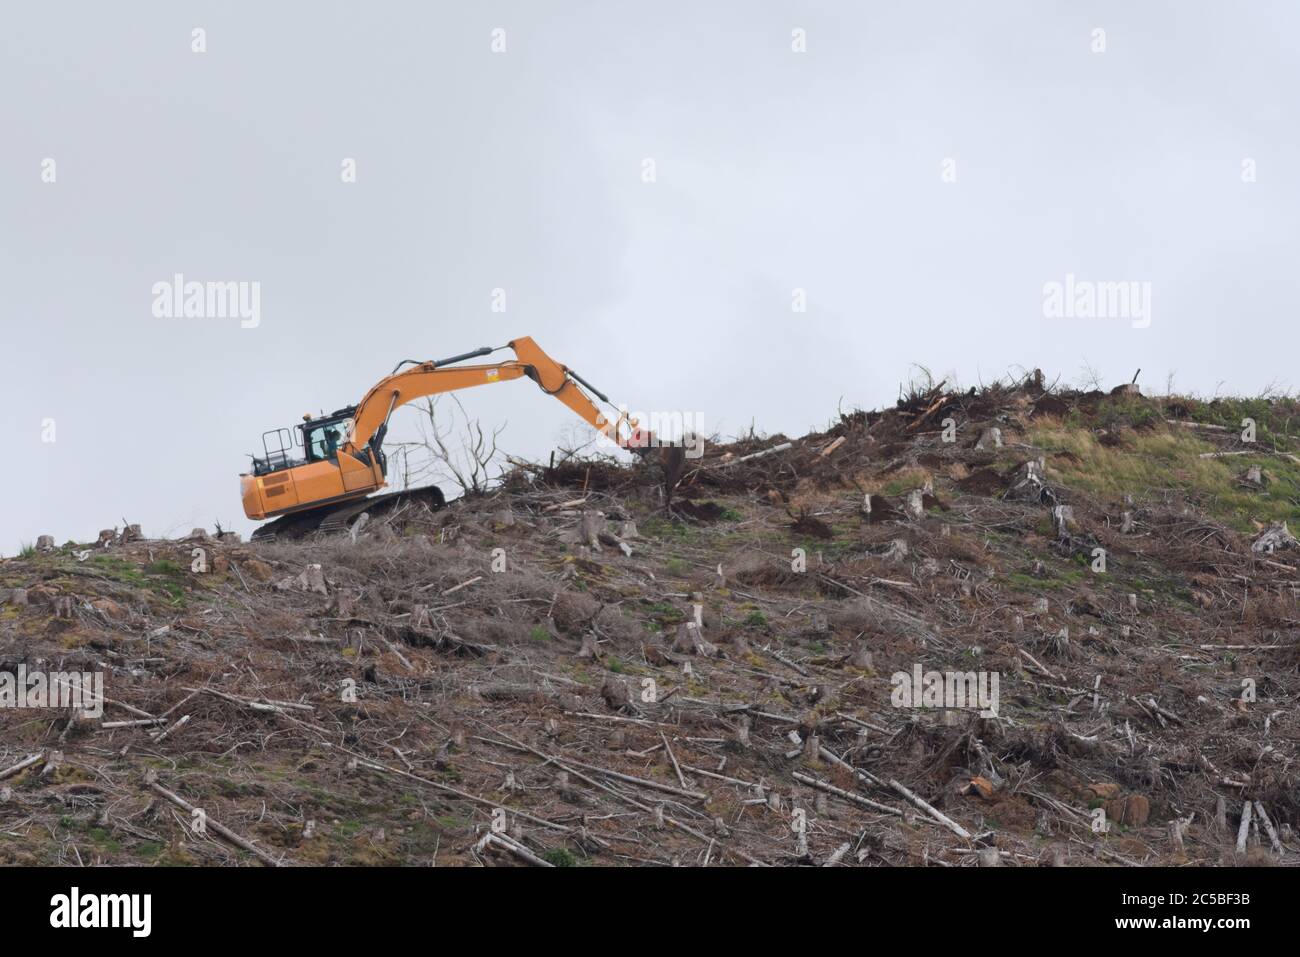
(775, 170)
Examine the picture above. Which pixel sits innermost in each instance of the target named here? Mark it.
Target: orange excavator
(343, 460)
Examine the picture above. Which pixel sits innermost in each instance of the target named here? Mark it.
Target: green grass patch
(1273, 420)
(559, 857)
(664, 528)
(665, 613)
(164, 566)
(677, 568)
(1171, 460)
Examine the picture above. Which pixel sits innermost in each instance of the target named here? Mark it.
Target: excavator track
(340, 516)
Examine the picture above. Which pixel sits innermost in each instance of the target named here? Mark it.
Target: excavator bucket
(672, 460)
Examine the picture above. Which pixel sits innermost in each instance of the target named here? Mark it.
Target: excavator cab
(322, 438)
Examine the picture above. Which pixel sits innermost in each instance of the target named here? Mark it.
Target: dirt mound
(982, 482)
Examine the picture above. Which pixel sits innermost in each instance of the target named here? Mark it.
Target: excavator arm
(432, 378)
(323, 487)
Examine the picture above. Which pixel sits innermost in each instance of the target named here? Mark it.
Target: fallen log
(1268, 827)
(218, 827)
(371, 765)
(829, 788)
(511, 847)
(1244, 830)
(758, 455)
(931, 810)
(22, 765)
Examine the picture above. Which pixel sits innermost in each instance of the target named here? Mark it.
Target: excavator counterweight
(343, 460)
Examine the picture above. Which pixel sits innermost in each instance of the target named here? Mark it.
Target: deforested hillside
(1013, 626)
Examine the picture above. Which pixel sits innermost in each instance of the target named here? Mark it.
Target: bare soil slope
(530, 660)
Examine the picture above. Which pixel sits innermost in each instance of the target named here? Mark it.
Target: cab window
(324, 440)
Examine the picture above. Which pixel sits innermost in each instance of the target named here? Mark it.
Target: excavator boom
(344, 462)
(430, 378)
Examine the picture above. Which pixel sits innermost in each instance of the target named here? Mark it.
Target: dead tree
(444, 453)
